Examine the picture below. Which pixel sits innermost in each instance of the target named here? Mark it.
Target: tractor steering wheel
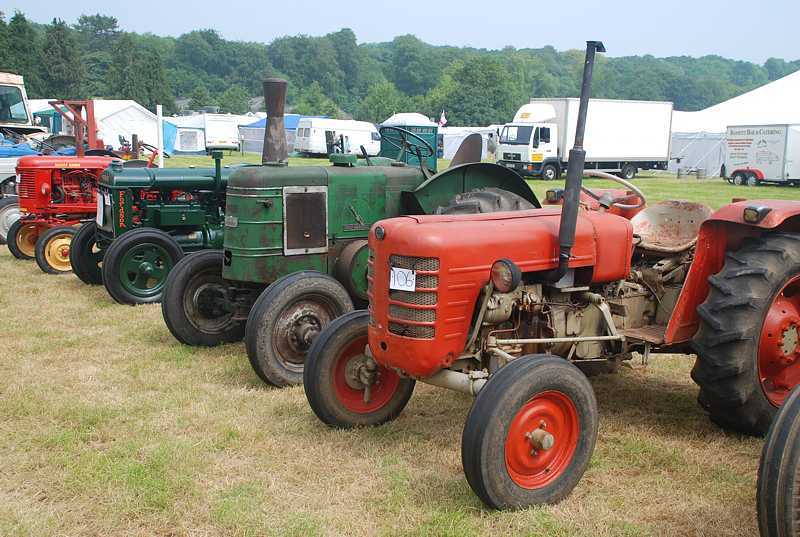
(399, 138)
(606, 200)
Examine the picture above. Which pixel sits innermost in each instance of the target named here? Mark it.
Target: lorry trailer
(758, 154)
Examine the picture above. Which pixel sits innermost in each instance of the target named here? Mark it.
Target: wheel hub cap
(779, 347)
(57, 252)
(360, 384)
(542, 439)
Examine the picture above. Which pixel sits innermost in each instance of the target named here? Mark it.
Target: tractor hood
(118, 177)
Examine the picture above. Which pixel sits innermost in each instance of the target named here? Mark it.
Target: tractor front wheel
(344, 386)
(52, 250)
(9, 213)
(22, 237)
(748, 341)
(136, 265)
(530, 433)
(286, 319)
(85, 256)
(195, 304)
(778, 496)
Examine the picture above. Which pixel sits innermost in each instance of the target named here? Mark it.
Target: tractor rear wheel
(84, 255)
(748, 341)
(9, 213)
(22, 237)
(778, 496)
(530, 433)
(136, 265)
(52, 250)
(286, 319)
(338, 373)
(195, 302)
(485, 200)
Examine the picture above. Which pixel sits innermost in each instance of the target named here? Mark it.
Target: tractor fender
(439, 190)
(723, 231)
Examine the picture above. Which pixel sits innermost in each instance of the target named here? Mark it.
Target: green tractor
(147, 218)
(295, 251)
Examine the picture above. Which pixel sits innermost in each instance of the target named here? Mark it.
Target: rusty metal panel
(305, 229)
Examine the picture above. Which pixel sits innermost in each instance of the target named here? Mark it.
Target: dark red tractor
(55, 195)
(514, 307)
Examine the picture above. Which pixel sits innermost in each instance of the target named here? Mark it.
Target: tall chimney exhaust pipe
(577, 158)
(275, 152)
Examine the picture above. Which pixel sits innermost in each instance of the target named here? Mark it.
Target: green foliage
(234, 100)
(201, 97)
(313, 102)
(63, 70)
(335, 75)
(381, 101)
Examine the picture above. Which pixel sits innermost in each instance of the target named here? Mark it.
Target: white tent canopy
(452, 137)
(125, 118)
(772, 103)
(692, 151)
(413, 119)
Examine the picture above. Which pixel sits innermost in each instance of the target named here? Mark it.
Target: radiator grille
(412, 314)
(406, 311)
(414, 263)
(410, 330)
(409, 297)
(27, 185)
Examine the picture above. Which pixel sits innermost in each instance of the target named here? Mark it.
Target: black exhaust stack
(275, 152)
(577, 157)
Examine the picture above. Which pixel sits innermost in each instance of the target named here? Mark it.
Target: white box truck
(763, 153)
(621, 137)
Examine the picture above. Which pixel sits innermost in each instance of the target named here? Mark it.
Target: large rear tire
(195, 301)
(335, 372)
(84, 255)
(22, 237)
(9, 213)
(136, 265)
(748, 341)
(286, 319)
(52, 250)
(530, 433)
(778, 496)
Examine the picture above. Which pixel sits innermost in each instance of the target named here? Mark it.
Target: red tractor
(511, 306)
(55, 195)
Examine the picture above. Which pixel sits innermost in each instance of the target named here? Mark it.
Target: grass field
(109, 427)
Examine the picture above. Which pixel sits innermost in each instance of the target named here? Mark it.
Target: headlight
(506, 276)
(380, 233)
(755, 214)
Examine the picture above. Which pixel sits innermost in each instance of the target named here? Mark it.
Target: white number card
(402, 279)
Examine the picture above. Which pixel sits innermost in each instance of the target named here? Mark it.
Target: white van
(311, 136)
(222, 130)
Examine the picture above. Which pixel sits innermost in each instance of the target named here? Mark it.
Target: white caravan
(311, 137)
(763, 153)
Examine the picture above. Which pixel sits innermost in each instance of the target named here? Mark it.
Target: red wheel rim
(779, 346)
(531, 467)
(381, 391)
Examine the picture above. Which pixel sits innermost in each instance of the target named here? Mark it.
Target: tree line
(336, 76)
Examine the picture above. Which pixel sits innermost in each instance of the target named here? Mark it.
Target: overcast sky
(740, 29)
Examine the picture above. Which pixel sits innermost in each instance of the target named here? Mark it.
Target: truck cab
(15, 119)
(528, 147)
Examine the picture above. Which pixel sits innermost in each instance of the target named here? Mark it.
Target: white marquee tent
(772, 103)
(698, 138)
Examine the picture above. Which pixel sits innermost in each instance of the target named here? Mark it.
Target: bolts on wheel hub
(540, 439)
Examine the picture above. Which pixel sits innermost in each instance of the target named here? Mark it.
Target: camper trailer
(315, 136)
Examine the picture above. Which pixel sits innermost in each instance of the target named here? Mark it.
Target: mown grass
(109, 427)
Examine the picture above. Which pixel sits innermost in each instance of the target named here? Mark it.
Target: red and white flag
(442, 120)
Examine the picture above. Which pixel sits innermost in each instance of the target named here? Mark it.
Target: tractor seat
(669, 226)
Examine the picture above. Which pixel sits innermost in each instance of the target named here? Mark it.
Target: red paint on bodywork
(466, 247)
(723, 231)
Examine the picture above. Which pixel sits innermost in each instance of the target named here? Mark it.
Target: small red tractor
(55, 195)
(511, 306)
